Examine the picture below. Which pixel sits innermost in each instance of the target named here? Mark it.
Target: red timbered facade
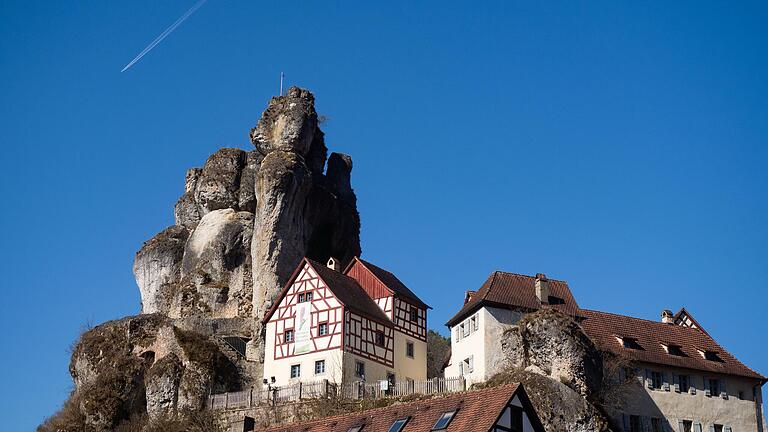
(400, 304)
(323, 319)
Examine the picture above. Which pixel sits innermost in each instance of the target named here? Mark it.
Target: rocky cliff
(243, 223)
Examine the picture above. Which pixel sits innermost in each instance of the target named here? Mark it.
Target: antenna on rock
(282, 76)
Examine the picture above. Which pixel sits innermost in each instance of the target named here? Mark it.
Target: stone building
(686, 382)
(477, 329)
(360, 324)
(689, 382)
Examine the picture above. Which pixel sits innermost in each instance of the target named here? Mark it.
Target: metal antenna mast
(282, 76)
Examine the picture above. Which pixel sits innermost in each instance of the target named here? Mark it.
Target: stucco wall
(484, 344)
(740, 415)
(406, 367)
(374, 371)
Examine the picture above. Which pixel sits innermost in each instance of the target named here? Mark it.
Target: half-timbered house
(344, 326)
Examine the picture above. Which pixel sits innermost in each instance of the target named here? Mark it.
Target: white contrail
(164, 34)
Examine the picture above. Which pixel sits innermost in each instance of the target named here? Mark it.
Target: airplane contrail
(165, 34)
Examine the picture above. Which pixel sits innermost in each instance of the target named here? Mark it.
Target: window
(686, 426)
(444, 420)
(635, 424)
(473, 322)
(458, 334)
(467, 365)
(712, 356)
(305, 297)
(355, 428)
(464, 330)
(555, 300)
(656, 381)
(414, 314)
(713, 386)
(288, 336)
(399, 424)
(322, 329)
(319, 367)
(379, 338)
(409, 349)
(295, 371)
(684, 382)
(309, 296)
(718, 427)
(516, 419)
(741, 395)
(359, 369)
(302, 296)
(631, 343)
(656, 425)
(675, 350)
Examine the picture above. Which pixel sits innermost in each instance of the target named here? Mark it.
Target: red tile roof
(393, 283)
(603, 328)
(478, 411)
(346, 290)
(503, 289)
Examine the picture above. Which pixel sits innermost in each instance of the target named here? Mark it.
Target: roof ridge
(529, 276)
(640, 319)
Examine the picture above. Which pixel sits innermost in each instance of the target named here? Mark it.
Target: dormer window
(629, 342)
(555, 300)
(674, 350)
(710, 355)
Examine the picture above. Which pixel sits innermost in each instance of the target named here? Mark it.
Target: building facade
(344, 326)
(678, 378)
(504, 298)
(681, 380)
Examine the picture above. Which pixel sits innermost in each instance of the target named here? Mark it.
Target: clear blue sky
(619, 146)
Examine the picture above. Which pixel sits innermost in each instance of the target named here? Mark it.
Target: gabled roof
(604, 329)
(503, 289)
(390, 281)
(477, 411)
(346, 290)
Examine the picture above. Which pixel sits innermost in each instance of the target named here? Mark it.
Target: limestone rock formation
(552, 344)
(279, 196)
(244, 221)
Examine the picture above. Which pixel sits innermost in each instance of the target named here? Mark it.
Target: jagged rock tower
(246, 219)
(244, 222)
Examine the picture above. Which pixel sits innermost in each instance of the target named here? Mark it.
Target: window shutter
(648, 379)
(471, 363)
(680, 426)
(676, 382)
(461, 368)
(664, 379)
(727, 429)
(711, 428)
(697, 427)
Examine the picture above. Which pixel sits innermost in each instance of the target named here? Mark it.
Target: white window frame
(298, 370)
(320, 363)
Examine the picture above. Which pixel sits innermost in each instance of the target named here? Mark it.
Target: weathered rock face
(157, 268)
(560, 408)
(552, 344)
(246, 219)
(299, 211)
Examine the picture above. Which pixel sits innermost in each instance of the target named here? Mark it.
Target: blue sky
(616, 145)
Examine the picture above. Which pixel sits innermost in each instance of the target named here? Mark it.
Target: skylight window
(444, 420)
(399, 424)
(355, 428)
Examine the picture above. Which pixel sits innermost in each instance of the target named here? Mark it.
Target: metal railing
(356, 390)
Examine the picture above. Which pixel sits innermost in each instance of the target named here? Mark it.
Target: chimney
(333, 264)
(542, 288)
(667, 317)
